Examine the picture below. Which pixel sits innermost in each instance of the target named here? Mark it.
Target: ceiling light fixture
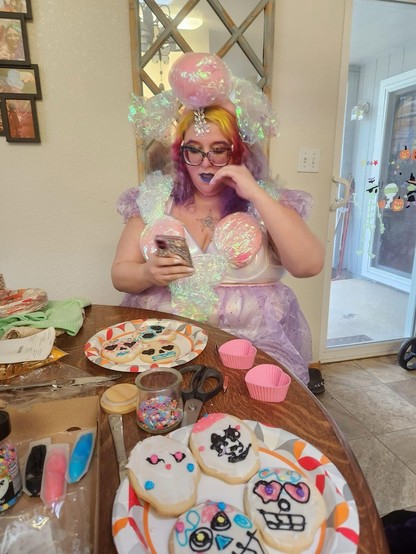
(190, 24)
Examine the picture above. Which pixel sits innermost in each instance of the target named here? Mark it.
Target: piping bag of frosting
(54, 471)
(34, 469)
(81, 455)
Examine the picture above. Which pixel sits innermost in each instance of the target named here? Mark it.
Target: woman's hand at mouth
(239, 178)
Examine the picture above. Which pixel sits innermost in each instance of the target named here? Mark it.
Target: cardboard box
(76, 517)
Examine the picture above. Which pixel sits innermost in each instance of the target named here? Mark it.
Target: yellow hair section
(213, 114)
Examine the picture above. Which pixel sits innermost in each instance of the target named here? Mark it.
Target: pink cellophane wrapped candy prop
(238, 237)
(200, 80)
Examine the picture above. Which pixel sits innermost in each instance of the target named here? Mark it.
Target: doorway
(371, 301)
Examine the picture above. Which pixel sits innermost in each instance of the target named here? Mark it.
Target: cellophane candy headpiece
(200, 80)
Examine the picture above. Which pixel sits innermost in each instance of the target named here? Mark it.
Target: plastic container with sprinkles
(159, 405)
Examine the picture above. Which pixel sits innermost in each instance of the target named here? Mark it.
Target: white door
(370, 301)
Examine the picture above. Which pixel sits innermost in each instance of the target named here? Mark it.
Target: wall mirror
(239, 31)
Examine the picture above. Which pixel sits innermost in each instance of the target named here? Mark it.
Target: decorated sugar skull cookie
(152, 332)
(215, 527)
(159, 351)
(225, 447)
(286, 507)
(163, 472)
(121, 350)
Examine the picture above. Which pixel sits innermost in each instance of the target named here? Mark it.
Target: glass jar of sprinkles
(159, 404)
(10, 479)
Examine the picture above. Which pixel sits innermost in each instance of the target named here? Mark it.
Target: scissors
(196, 395)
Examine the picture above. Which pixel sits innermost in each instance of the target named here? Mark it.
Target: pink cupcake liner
(268, 383)
(238, 354)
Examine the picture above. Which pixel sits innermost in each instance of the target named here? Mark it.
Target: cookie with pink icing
(215, 527)
(123, 349)
(225, 447)
(163, 472)
(286, 506)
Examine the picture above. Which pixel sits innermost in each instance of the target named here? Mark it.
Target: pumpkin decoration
(382, 204)
(398, 204)
(405, 154)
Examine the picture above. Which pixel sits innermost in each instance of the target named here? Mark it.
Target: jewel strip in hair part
(201, 126)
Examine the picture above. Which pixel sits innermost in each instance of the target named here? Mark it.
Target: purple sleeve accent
(298, 200)
(127, 204)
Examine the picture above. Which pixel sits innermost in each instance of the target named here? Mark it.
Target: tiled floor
(373, 401)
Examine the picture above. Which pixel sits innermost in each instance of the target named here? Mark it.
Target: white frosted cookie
(225, 447)
(286, 507)
(159, 351)
(152, 332)
(163, 472)
(215, 527)
(121, 350)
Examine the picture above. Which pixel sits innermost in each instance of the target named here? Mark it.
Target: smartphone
(168, 245)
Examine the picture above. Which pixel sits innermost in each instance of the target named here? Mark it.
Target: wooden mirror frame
(236, 32)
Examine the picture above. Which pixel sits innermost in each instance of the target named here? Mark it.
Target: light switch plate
(308, 161)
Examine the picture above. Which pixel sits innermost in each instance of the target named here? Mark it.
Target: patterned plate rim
(198, 338)
(342, 531)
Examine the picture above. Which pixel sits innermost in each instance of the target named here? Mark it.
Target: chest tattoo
(208, 222)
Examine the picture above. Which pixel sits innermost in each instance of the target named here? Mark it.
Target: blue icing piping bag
(81, 456)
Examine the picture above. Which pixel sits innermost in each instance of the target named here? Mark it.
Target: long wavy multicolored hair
(250, 155)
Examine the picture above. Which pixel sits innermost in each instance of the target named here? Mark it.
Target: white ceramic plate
(137, 529)
(190, 340)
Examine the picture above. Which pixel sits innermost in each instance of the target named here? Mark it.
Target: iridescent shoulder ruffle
(154, 193)
(297, 200)
(127, 204)
(148, 200)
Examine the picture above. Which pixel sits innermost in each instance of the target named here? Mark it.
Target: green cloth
(61, 314)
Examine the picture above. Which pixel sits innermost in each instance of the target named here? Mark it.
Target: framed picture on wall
(14, 45)
(2, 133)
(16, 6)
(15, 81)
(20, 119)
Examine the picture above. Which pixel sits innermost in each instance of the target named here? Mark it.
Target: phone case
(169, 245)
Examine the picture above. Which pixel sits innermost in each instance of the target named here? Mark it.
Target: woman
(242, 233)
(12, 46)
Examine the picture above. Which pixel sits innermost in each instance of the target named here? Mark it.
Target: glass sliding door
(394, 239)
(371, 300)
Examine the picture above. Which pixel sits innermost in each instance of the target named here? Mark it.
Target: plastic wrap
(64, 529)
(23, 400)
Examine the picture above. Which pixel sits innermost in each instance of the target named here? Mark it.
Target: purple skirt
(267, 315)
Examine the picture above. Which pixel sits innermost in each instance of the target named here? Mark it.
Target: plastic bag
(8, 371)
(62, 529)
(23, 400)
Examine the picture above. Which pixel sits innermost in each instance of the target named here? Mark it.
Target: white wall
(57, 199)
(306, 73)
(58, 223)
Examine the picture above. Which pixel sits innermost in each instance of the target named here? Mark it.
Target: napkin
(61, 314)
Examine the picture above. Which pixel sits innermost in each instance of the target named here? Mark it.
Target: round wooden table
(301, 413)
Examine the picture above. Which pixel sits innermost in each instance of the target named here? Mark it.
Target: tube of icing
(54, 472)
(33, 467)
(81, 455)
